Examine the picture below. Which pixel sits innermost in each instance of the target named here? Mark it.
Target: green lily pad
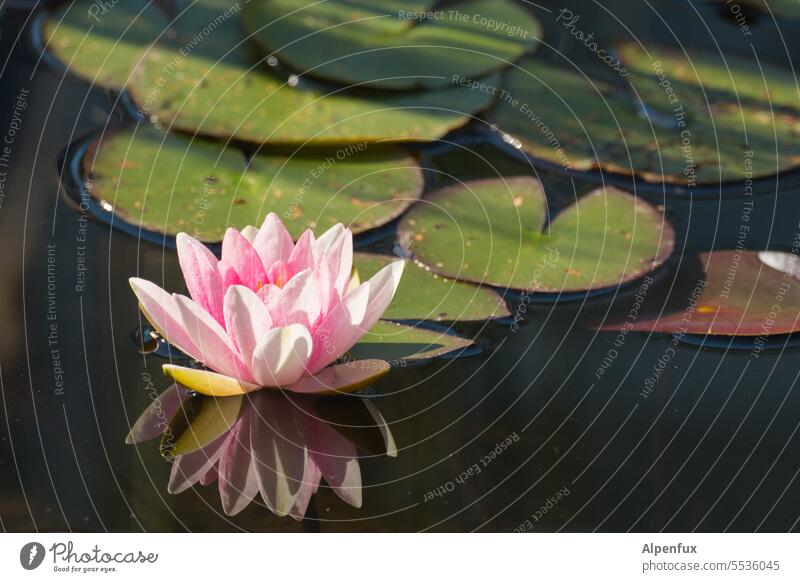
(199, 421)
(549, 116)
(423, 295)
(391, 45)
(708, 80)
(402, 344)
(102, 46)
(727, 293)
(495, 232)
(195, 73)
(233, 97)
(169, 183)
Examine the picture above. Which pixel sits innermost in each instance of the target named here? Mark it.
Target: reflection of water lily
(271, 313)
(278, 445)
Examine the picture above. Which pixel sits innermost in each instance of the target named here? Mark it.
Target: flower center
(279, 274)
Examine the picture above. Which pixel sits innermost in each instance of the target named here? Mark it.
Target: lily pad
(727, 293)
(423, 295)
(195, 73)
(708, 79)
(496, 232)
(689, 142)
(402, 344)
(393, 45)
(231, 96)
(199, 421)
(102, 45)
(169, 183)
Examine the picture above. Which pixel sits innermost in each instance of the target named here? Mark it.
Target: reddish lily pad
(496, 232)
(723, 293)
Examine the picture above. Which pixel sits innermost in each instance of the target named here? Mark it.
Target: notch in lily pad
(496, 232)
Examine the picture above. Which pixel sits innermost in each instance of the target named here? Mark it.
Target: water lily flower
(270, 313)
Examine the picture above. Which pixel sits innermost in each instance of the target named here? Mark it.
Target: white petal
(282, 355)
(324, 243)
(250, 232)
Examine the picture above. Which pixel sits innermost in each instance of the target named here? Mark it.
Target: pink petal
(279, 450)
(334, 270)
(270, 295)
(273, 242)
(309, 486)
(228, 274)
(345, 263)
(337, 460)
(340, 328)
(246, 319)
(383, 427)
(326, 278)
(154, 420)
(237, 475)
(343, 327)
(281, 356)
(213, 346)
(199, 266)
(299, 301)
(302, 256)
(161, 310)
(279, 274)
(210, 476)
(189, 469)
(240, 254)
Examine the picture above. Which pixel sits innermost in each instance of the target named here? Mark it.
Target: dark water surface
(712, 447)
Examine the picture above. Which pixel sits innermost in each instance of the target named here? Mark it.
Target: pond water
(525, 435)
